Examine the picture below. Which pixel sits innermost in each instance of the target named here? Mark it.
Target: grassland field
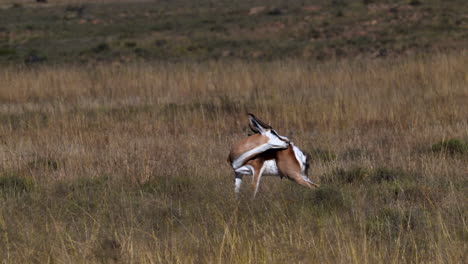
(113, 157)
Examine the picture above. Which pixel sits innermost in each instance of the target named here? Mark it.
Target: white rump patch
(300, 157)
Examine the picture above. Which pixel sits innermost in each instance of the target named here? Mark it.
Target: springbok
(267, 153)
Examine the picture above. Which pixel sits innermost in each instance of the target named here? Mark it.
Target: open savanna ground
(128, 163)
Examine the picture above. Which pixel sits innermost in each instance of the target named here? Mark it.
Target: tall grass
(127, 163)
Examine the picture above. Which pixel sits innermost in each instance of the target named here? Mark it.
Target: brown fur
(286, 162)
(245, 145)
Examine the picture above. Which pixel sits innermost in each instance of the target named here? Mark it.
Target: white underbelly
(270, 168)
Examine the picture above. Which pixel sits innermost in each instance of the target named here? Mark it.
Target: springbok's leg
(237, 182)
(304, 181)
(238, 173)
(256, 178)
(310, 182)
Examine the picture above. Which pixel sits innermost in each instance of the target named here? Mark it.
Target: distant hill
(124, 31)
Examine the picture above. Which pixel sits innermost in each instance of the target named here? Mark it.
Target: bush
(327, 197)
(130, 44)
(415, 3)
(361, 175)
(389, 222)
(451, 146)
(13, 183)
(353, 154)
(7, 52)
(388, 174)
(174, 186)
(83, 186)
(322, 154)
(102, 47)
(43, 163)
(34, 56)
(357, 174)
(422, 195)
(17, 5)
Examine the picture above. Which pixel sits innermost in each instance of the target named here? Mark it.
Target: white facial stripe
(273, 143)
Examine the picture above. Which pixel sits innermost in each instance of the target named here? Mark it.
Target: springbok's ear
(257, 125)
(253, 128)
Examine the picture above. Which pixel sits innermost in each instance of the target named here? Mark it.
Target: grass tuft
(43, 163)
(384, 174)
(322, 155)
(451, 146)
(13, 183)
(328, 198)
(353, 175)
(391, 222)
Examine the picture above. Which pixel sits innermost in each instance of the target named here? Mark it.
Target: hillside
(125, 31)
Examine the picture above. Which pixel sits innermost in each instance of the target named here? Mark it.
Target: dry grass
(128, 163)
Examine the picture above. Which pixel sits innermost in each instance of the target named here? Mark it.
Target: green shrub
(83, 186)
(17, 5)
(84, 193)
(108, 250)
(142, 52)
(7, 52)
(34, 56)
(353, 154)
(451, 146)
(171, 185)
(13, 183)
(102, 47)
(386, 223)
(415, 3)
(340, 175)
(422, 195)
(87, 183)
(327, 197)
(130, 44)
(391, 222)
(388, 174)
(43, 163)
(357, 174)
(322, 154)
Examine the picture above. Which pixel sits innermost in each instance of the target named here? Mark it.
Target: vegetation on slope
(124, 31)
